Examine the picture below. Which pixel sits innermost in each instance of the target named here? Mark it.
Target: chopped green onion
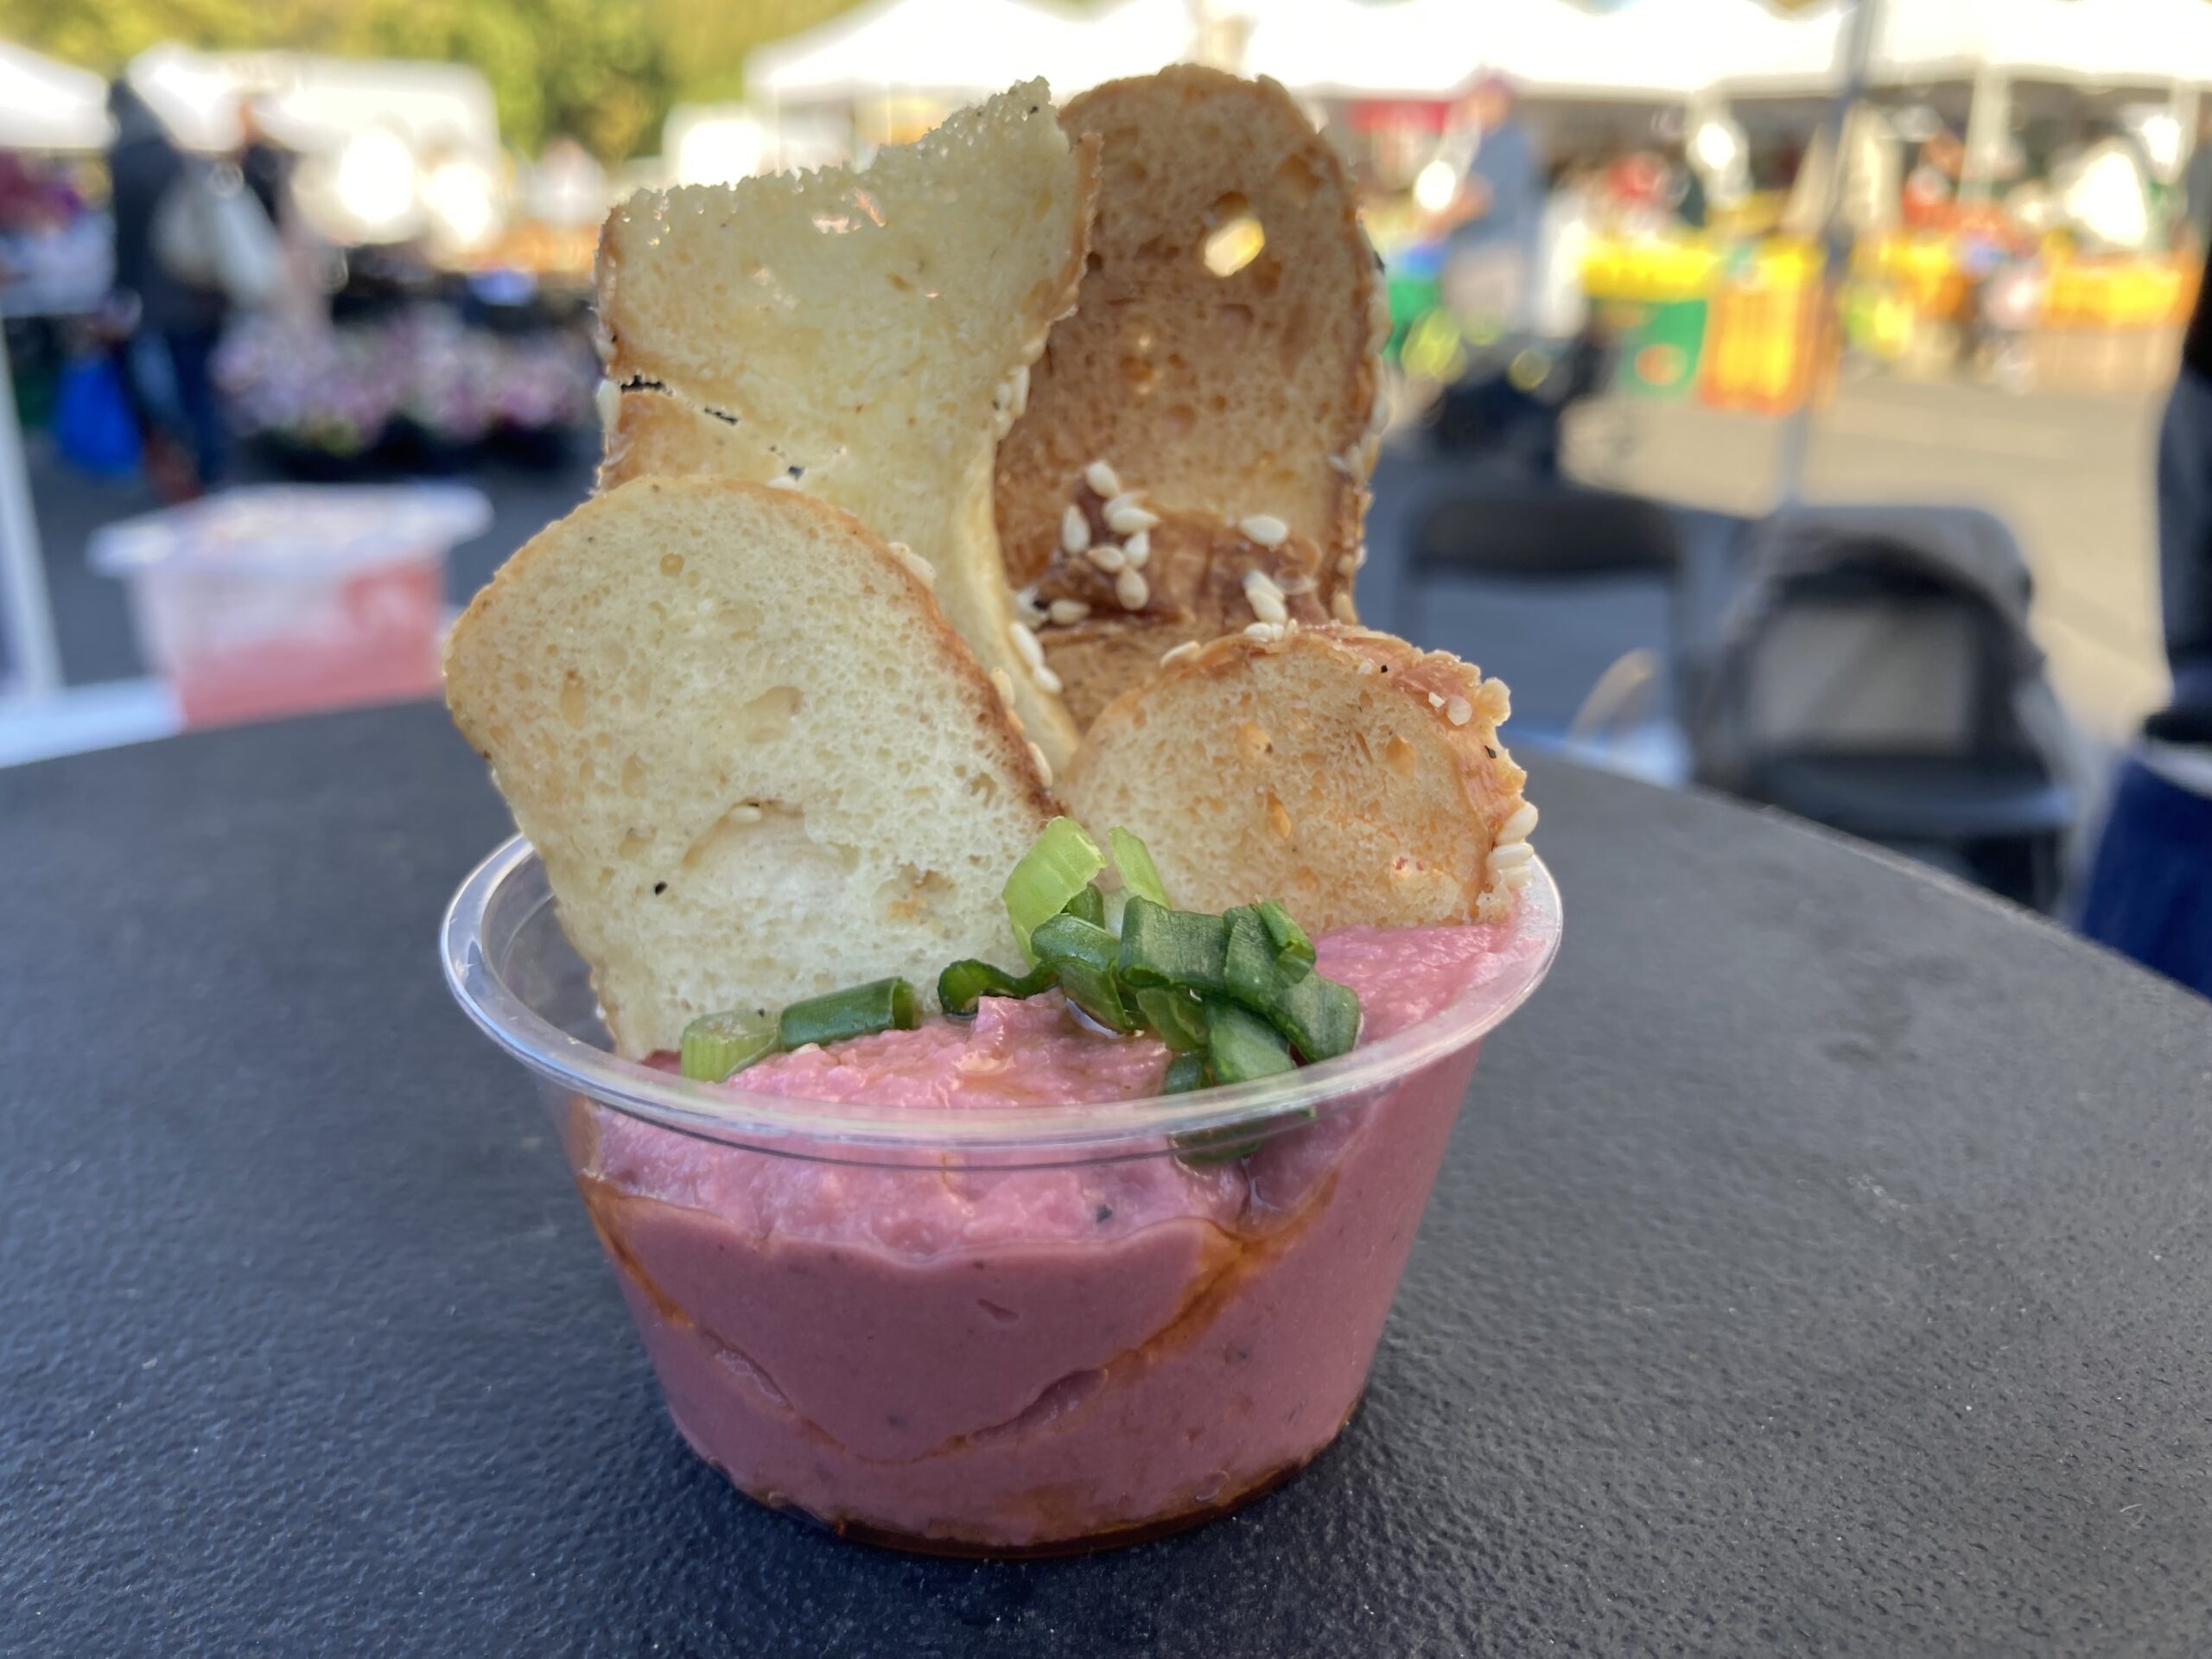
(719, 1045)
(961, 985)
(1140, 875)
(1064, 861)
(1088, 905)
(1096, 991)
(1082, 954)
(859, 1011)
(1320, 1017)
(1241, 1047)
(1176, 1015)
(1186, 1072)
(1294, 951)
(1249, 967)
(1203, 1148)
(1173, 947)
(1069, 938)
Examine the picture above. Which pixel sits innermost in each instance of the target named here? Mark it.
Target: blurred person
(167, 327)
(2150, 890)
(264, 165)
(266, 168)
(1931, 189)
(1493, 247)
(1637, 181)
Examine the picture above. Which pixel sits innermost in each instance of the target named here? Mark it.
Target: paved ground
(2072, 475)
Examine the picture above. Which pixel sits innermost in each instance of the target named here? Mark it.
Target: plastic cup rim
(851, 1132)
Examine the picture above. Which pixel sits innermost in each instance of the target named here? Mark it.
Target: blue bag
(94, 426)
(2149, 892)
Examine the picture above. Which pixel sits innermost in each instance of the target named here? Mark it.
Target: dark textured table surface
(1823, 1264)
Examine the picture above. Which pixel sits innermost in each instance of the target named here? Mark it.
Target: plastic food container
(993, 1332)
(275, 601)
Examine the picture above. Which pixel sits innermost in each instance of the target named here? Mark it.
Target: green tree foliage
(592, 69)
(604, 71)
(709, 38)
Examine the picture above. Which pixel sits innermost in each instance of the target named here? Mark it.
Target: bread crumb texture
(1224, 348)
(1314, 768)
(864, 336)
(755, 760)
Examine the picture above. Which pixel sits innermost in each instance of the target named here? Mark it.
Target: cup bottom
(1127, 1536)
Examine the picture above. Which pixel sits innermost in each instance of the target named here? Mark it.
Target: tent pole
(1835, 236)
(34, 658)
(1989, 118)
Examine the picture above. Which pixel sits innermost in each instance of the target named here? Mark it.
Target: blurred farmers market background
(1775, 388)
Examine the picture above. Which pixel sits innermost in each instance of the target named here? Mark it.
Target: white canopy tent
(1662, 50)
(1658, 50)
(1132, 38)
(2162, 47)
(317, 103)
(960, 48)
(47, 105)
(2152, 40)
(2106, 42)
(969, 48)
(1340, 49)
(195, 98)
(2077, 42)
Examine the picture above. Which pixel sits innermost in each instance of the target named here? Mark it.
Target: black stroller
(1877, 676)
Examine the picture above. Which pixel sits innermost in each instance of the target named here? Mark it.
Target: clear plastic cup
(995, 1331)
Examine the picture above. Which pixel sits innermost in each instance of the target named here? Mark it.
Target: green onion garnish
(861, 1011)
(961, 985)
(1081, 955)
(1173, 947)
(719, 1045)
(1096, 993)
(1185, 1073)
(1320, 1017)
(1241, 1047)
(1234, 997)
(1248, 963)
(1294, 951)
(1175, 1014)
(1089, 905)
(1062, 863)
(1065, 937)
(1202, 1148)
(1140, 875)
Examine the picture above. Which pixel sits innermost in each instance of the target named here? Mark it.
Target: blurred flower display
(423, 375)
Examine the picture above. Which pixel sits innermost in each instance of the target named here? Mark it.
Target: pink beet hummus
(1013, 1359)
